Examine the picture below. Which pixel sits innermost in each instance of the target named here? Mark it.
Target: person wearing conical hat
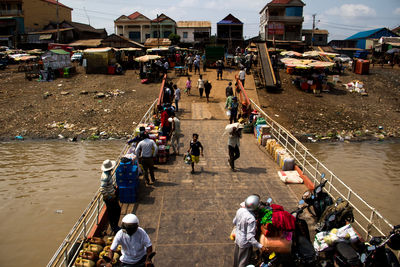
(108, 192)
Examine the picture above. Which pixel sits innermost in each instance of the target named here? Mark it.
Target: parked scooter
(318, 199)
(377, 254)
(303, 252)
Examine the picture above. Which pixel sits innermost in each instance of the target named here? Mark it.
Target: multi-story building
(194, 31)
(162, 26)
(230, 32)
(282, 20)
(315, 37)
(136, 27)
(21, 16)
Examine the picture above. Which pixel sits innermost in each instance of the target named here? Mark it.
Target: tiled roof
(193, 24)
(54, 2)
(135, 15)
(161, 18)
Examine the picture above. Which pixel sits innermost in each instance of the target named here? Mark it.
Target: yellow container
(79, 262)
(108, 240)
(93, 247)
(105, 253)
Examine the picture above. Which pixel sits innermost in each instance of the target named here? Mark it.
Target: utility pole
(58, 25)
(159, 32)
(313, 27)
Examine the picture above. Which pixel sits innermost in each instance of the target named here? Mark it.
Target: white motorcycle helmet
(252, 202)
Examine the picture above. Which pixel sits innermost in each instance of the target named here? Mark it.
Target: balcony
(285, 19)
(15, 12)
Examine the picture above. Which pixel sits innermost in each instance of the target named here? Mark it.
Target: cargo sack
(336, 216)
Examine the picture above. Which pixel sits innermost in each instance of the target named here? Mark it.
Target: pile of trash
(356, 86)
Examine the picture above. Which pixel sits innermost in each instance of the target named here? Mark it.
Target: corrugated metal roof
(51, 31)
(364, 34)
(193, 24)
(88, 43)
(153, 42)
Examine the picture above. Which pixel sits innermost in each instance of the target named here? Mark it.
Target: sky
(342, 18)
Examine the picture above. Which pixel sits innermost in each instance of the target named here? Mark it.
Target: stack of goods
(326, 240)
(277, 226)
(127, 176)
(93, 252)
(280, 155)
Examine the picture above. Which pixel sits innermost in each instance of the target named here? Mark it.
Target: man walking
(146, 150)
(229, 90)
(220, 68)
(200, 85)
(177, 97)
(195, 150)
(235, 134)
(242, 76)
(175, 133)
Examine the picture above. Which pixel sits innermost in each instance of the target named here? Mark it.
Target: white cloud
(352, 11)
(397, 11)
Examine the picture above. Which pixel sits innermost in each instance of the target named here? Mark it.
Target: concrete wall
(38, 14)
(190, 34)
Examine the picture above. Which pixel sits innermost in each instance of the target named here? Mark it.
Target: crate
(127, 182)
(127, 171)
(127, 194)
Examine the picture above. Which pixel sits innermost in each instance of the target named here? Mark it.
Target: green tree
(175, 38)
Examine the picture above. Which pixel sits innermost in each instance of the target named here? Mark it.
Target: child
(188, 86)
(195, 150)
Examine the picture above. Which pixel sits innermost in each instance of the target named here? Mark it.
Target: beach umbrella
(393, 50)
(146, 58)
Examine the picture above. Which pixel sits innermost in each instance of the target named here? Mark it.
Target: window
(167, 33)
(155, 34)
(320, 38)
(185, 35)
(134, 36)
(147, 35)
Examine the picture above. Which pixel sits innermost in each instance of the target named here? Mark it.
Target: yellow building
(39, 13)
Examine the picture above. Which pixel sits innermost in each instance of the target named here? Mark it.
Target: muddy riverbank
(108, 106)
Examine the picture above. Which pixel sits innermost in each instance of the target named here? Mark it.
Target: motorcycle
(318, 199)
(377, 254)
(303, 252)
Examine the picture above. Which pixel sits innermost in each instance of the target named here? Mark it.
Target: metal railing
(368, 221)
(69, 248)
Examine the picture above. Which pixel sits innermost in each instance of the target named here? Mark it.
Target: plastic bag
(228, 113)
(187, 158)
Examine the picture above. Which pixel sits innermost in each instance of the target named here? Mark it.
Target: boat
(93, 223)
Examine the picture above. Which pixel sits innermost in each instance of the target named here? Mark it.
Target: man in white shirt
(135, 243)
(246, 226)
(146, 150)
(242, 75)
(175, 132)
(177, 94)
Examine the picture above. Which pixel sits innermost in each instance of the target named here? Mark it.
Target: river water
(45, 186)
